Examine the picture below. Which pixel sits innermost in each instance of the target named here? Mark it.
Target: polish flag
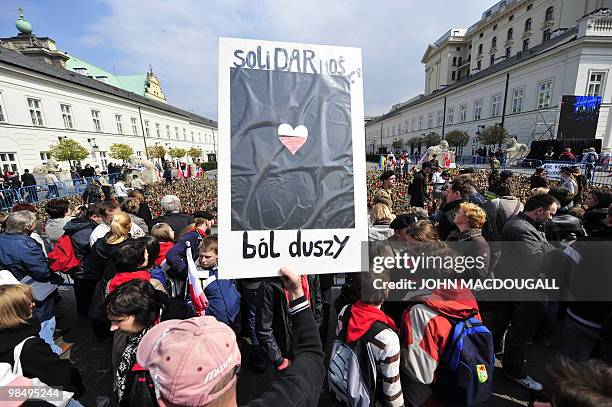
(198, 298)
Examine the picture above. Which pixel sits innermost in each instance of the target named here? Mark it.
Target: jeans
(256, 355)
(46, 334)
(74, 403)
(521, 320)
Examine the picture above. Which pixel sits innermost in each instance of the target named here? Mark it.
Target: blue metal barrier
(42, 192)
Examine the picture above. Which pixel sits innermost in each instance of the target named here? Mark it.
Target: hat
(386, 175)
(204, 215)
(565, 168)
(188, 358)
(575, 168)
(406, 219)
(505, 174)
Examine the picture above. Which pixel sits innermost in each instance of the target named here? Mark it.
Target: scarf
(363, 316)
(128, 359)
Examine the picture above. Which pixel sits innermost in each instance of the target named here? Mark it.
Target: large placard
(292, 189)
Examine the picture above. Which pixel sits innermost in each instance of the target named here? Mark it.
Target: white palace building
(47, 94)
(511, 69)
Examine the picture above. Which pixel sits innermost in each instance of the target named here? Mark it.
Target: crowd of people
(143, 262)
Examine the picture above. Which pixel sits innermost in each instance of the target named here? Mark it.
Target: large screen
(579, 117)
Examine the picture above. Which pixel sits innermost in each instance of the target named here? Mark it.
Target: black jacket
(37, 358)
(272, 323)
(525, 251)
(144, 213)
(177, 221)
(594, 220)
(299, 384)
(446, 226)
(562, 225)
(98, 263)
(92, 194)
(28, 180)
(418, 189)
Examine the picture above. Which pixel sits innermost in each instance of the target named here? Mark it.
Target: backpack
(352, 369)
(62, 257)
(464, 373)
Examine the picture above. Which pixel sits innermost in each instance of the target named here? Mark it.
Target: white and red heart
(292, 139)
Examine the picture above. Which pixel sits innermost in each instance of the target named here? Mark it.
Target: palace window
(462, 113)
(157, 130)
(147, 131)
(596, 82)
(544, 94)
(119, 122)
(477, 109)
(2, 116)
(35, 112)
(495, 105)
(134, 126)
(95, 118)
(549, 14)
(67, 116)
(518, 96)
(8, 162)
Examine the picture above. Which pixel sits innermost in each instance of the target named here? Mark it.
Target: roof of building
(19, 60)
(567, 36)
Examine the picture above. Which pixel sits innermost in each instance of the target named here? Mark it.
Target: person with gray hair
(24, 257)
(171, 205)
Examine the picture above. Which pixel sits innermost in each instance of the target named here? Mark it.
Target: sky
(179, 38)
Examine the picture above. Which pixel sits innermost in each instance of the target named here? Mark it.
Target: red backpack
(62, 258)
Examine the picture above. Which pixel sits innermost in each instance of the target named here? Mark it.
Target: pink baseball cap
(188, 358)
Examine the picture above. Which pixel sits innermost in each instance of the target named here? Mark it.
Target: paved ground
(92, 358)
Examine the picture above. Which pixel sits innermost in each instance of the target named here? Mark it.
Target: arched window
(494, 42)
(510, 34)
(549, 13)
(528, 25)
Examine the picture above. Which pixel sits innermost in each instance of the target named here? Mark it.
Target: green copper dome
(22, 24)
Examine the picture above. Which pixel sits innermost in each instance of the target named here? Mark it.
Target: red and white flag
(198, 298)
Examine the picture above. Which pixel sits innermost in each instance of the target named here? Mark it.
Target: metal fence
(43, 192)
(596, 173)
